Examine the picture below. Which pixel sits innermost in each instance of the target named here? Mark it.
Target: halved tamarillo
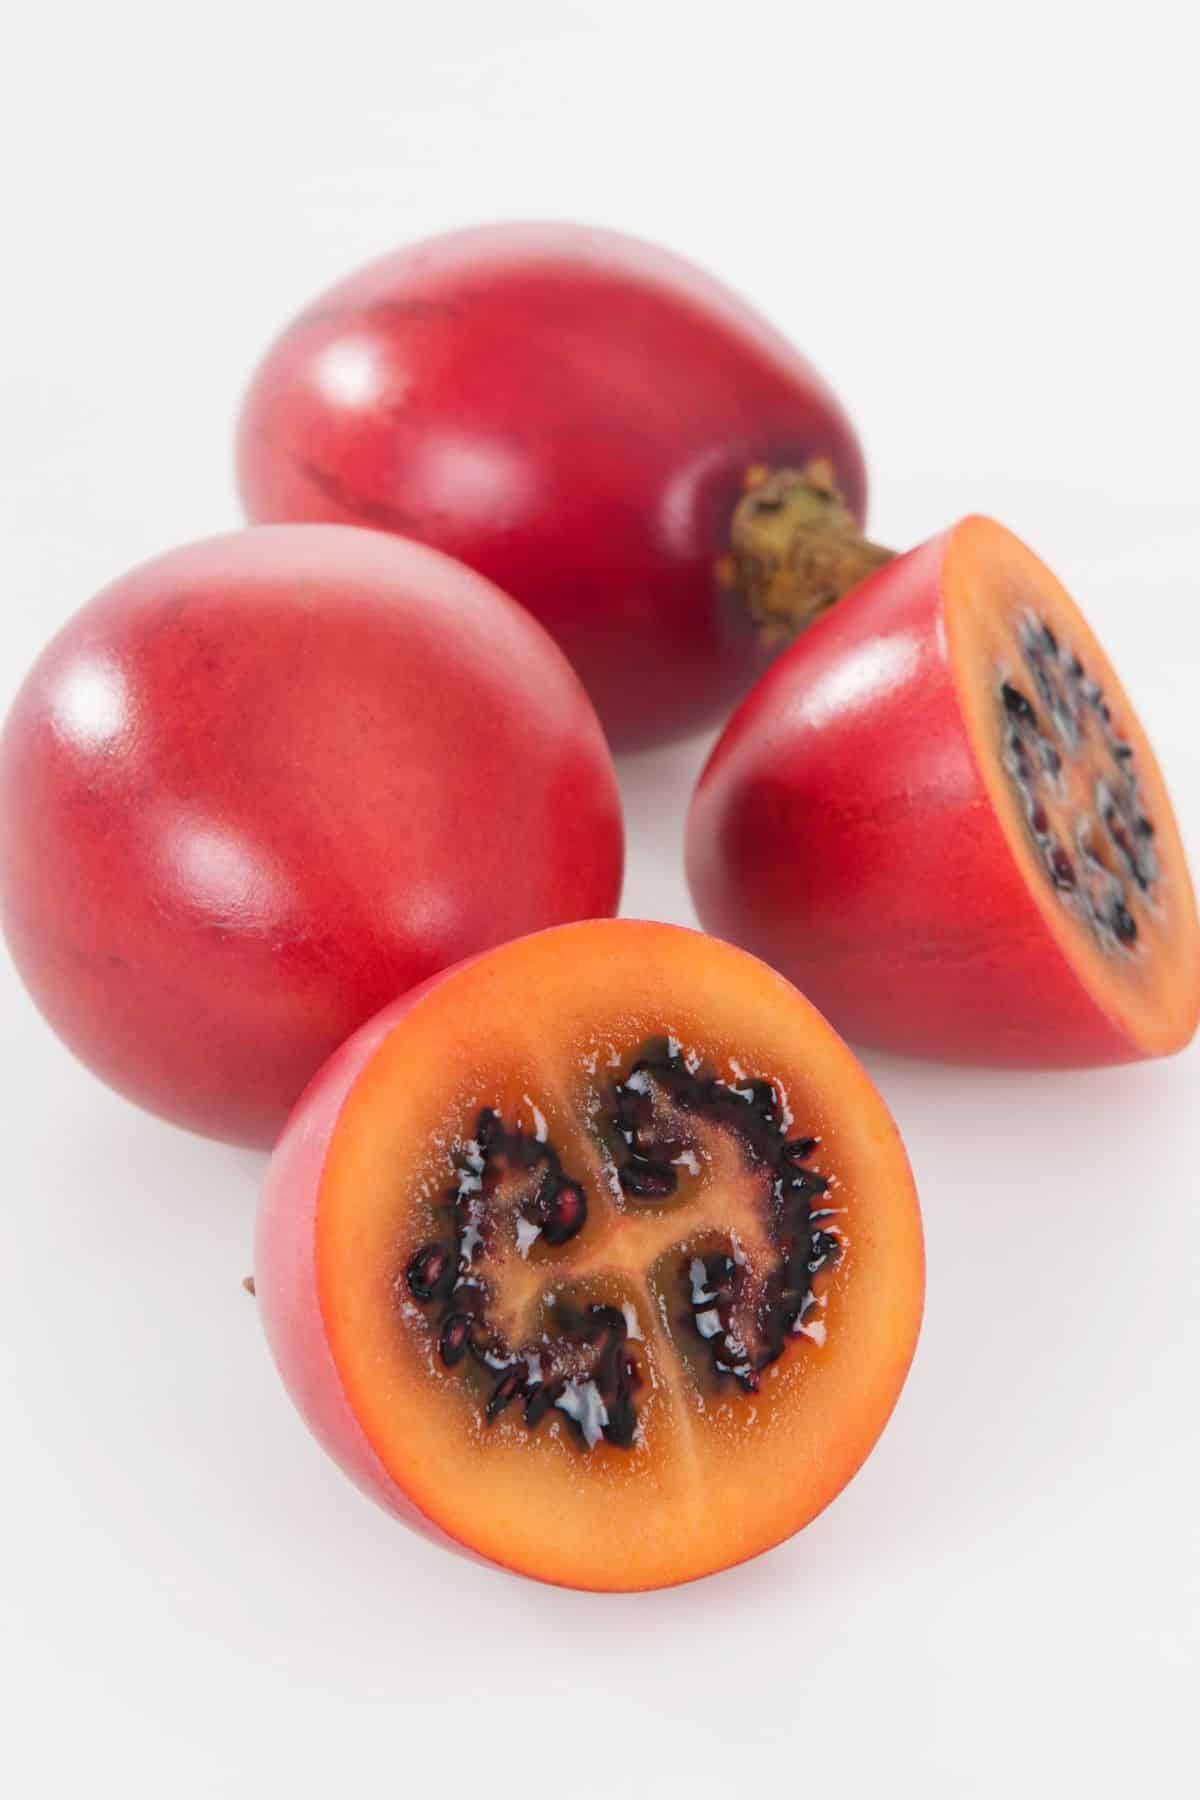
(575, 414)
(599, 1258)
(939, 814)
(265, 783)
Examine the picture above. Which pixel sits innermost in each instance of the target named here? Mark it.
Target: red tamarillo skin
(285, 1278)
(939, 816)
(574, 414)
(264, 784)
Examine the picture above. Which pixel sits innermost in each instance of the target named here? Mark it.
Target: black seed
(1062, 868)
(565, 1212)
(540, 1400)
(762, 1096)
(635, 1111)
(1016, 703)
(455, 1336)
(621, 1426)
(1122, 751)
(1049, 639)
(1143, 827)
(1039, 818)
(486, 1128)
(1124, 923)
(647, 1180)
(799, 1150)
(505, 1390)
(614, 1321)
(430, 1272)
(1051, 760)
(825, 1245)
(709, 1278)
(807, 1181)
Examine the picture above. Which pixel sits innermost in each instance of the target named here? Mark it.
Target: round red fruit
(264, 784)
(939, 814)
(573, 413)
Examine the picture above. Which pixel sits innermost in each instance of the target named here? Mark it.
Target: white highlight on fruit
(581, 1401)
(698, 1276)
(688, 1160)
(221, 875)
(629, 1313)
(90, 705)
(349, 374)
(540, 1131)
(527, 1235)
(875, 668)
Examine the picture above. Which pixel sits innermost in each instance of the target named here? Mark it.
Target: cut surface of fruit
(1074, 783)
(599, 1259)
(940, 815)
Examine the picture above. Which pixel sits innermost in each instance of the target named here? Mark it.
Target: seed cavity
(565, 1351)
(741, 1307)
(1076, 777)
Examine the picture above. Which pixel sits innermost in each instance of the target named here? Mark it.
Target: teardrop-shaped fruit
(573, 413)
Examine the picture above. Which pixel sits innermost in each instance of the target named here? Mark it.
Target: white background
(980, 222)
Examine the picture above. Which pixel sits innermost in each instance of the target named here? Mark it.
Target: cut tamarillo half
(939, 814)
(599, 1258)
(576, 415)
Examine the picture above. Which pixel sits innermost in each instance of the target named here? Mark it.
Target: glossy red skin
(569, 411)
(285, 1274)
(266, 783)
(841, 830)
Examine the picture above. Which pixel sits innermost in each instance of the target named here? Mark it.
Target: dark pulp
(1100, 856)
(583, 1366)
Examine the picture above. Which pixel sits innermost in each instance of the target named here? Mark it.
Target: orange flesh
(999, 598)
(715, 1474)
